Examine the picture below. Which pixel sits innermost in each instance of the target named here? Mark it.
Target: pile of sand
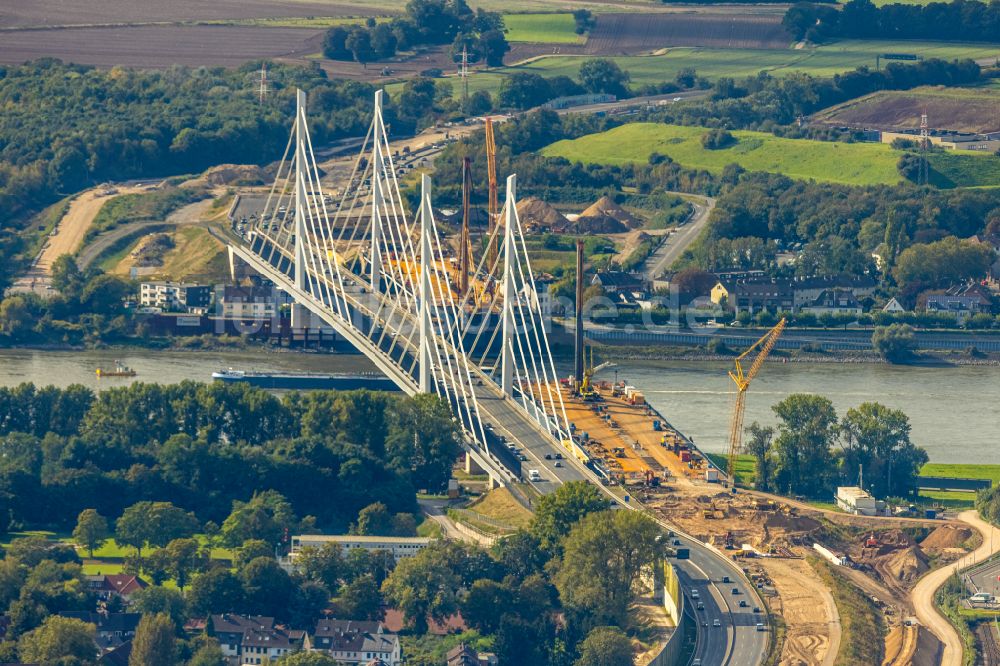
(536, 214)
(907, 565)
(235, 174)
(605, 209)
(946, 536)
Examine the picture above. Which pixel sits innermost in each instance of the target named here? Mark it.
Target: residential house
(106, 586)
(254, 302)
(754, 296)
(463, 655)
(616, 282)
(993, 242)
(962, 300)
(834, 301)
(893, 306)
(119, 656)
(807, 290)
(356, 642)
(253, 639)
(113, 629)
(176, 296)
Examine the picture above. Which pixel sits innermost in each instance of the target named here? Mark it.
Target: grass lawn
(965, 169)
(547, 28)
(501, 505)
(744, 466)
(853, 164)
(950, 471)
(949, 498)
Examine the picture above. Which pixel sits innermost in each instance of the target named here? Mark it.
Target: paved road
(678, 241)
(923, 593)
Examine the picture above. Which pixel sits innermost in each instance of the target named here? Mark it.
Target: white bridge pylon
(385, 283)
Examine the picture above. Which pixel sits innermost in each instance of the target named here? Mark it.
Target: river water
(953, 410)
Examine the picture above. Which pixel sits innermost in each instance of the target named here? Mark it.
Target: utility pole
(464, 73)
(578, 335)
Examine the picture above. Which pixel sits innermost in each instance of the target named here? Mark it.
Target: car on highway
(548, 456)
(558, 464)
(756, 609)
(716, 623)
(725, 579)
(558, 456)
(701, 606)
(736, 591)
(743, 604)
(694, 594)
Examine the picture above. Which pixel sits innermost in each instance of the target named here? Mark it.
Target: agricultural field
(958, 109)
(543, 28)
(823, 161)
(160, 45)
(624, 34)
(853, 164)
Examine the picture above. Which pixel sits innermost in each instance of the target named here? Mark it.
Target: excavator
(742, 380)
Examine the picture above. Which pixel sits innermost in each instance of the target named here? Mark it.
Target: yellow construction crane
(742, 380)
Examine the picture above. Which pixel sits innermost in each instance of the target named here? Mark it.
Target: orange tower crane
(742, 380)
(493, 209)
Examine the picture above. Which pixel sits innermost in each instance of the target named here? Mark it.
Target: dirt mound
(907, 565)
(534, 212)
(891, 540)
(780, 521)
(605, 207)
(604, 224)
(235, 174)
(946, 536)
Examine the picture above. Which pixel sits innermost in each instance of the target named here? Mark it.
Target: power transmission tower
(464, 73)
(262, 91)
(924, 145)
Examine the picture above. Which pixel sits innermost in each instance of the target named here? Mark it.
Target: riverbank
(920, 359)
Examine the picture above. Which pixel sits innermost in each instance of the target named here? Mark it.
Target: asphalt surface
(679, 240)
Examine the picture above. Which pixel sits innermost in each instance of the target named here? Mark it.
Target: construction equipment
(493, 209)
(586, 389)
(742, 380)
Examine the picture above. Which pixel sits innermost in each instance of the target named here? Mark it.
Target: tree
(153, 523)
(67, 278)
(557, 513)
(361, 599)
(155, 600)
(15, 316)
(384, 41)
(325, 565)
(218, 590)
(804, 463)
(185, 557)
(154, 643)
(60, 640)
(374, 520)
(758, 445)
(264, 517)
(895, 343)
(603, 558)
(267, 587)
(877, 441)
(523, 90)
(335, 43)
(209, 654)
(359, 43)
(423, 440)
(484, 604)
(493, 46)
(251, 550)
(601, 75)
(943, 262)
(423, 586)
(605, 646)
(692, 282)
(583, 19)
(91, 530)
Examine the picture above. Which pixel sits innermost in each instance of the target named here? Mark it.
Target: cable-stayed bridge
(387, 282)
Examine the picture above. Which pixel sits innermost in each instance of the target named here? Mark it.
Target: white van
(981, 598)
(533, 475)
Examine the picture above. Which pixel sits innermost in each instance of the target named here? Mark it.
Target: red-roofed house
(122, 585)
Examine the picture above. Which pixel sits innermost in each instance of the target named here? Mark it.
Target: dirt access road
(923, 593)
(809, 611)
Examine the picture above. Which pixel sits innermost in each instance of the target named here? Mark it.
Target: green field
(824, 161)
(854, 164)
(825, 60)
(991, 472)
(546, 28)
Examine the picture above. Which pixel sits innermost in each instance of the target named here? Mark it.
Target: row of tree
(799, 458)
(958, 20)
(204, 446)
(479, 32)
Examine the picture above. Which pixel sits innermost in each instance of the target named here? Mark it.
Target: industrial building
(859, 502)
(400, 547)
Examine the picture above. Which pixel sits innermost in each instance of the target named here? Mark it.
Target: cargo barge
(304, 381)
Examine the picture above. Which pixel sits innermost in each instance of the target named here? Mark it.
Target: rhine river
(954, 411)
